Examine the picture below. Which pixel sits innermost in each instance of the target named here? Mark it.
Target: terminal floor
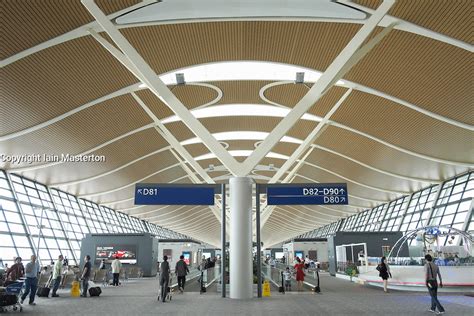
(339, 297)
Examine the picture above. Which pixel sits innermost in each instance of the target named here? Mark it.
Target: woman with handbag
(384, 272)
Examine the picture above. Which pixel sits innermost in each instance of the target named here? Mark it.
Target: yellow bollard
(75, 289)
(266, 289)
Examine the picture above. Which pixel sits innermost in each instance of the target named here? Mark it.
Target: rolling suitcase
(95, 291)
(43, 291)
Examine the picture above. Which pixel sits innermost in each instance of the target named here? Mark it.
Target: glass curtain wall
(49, 222)
(451, 206)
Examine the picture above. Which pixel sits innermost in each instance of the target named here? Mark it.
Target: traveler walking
(86, 274)
(299, 267)
(287, 278)
(102, 265)
(431, 275)
(164, 277)
(181, 271)
(32, 270)
(57, 272)
(384, 272)
(306, 262)
(16, 271)
(116, 266)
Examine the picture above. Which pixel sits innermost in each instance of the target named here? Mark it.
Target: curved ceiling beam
(406, 151)
(131, 183)
(111, 141)
(194, 224)
(388, 173)
(303, 220)
(289, 221)
(194, 212)
(386, 21)
(113, 170)
(132, 88)
(356, 182)
(166, 218)
(287, 208)
(356, 86)
(133, 198)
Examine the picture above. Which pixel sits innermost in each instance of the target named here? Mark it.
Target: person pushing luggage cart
(165, 273)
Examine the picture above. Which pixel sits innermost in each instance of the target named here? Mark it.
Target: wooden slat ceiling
(432, 75)
(28, 23)
(446, 17)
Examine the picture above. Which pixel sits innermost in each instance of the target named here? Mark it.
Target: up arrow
(342, 191)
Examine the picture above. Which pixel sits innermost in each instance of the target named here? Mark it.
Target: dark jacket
(181, 268)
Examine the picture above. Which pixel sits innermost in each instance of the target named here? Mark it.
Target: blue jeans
(31, 285)
(57, 282)
(434, 299)
(85, 286)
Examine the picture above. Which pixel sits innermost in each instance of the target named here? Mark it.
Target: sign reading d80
(307, 194)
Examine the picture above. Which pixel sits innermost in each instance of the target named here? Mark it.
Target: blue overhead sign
(307, 194)
(165, 194)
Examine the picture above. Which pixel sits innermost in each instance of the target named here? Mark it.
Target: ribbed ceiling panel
(122, 177)
(397, 124)
(433, 75)
(117, 154)
(290, 94)
(355, 189)
(82, 131)
(54, 81)
(360, 173)
(129, 192)
(447, 17)
(383, 157)
(27, 23)
(240, 91)
(168, 47)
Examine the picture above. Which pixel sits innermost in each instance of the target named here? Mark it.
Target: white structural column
(240, 268)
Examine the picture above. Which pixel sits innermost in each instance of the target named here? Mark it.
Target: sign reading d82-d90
(307, 194)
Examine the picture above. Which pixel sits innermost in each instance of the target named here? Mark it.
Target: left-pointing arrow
(139, 191)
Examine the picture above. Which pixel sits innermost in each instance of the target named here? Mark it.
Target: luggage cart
(169, 291)
(10, 299)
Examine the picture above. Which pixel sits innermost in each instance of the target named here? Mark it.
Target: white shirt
(287, 275)
(306, 260)
(116, 266)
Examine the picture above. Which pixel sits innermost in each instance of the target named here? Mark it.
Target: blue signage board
(307, 194)
(165, 194)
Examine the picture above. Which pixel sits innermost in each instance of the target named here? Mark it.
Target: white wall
(320, 246)
(177, 248)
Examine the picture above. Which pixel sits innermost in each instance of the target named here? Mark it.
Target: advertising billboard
(125, 253)
(187, 257)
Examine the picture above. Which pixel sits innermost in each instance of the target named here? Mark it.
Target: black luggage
(281, 289)
(43, 291)
(95, 291)
(8, 299)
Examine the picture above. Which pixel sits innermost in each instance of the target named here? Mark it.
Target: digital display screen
(125, 253)
(187, 257)
(299, 254)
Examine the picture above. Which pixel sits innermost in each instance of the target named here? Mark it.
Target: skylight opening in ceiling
(241, 153)
(191, 10)
(241, 70)
(241, 135)
(241, 110)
